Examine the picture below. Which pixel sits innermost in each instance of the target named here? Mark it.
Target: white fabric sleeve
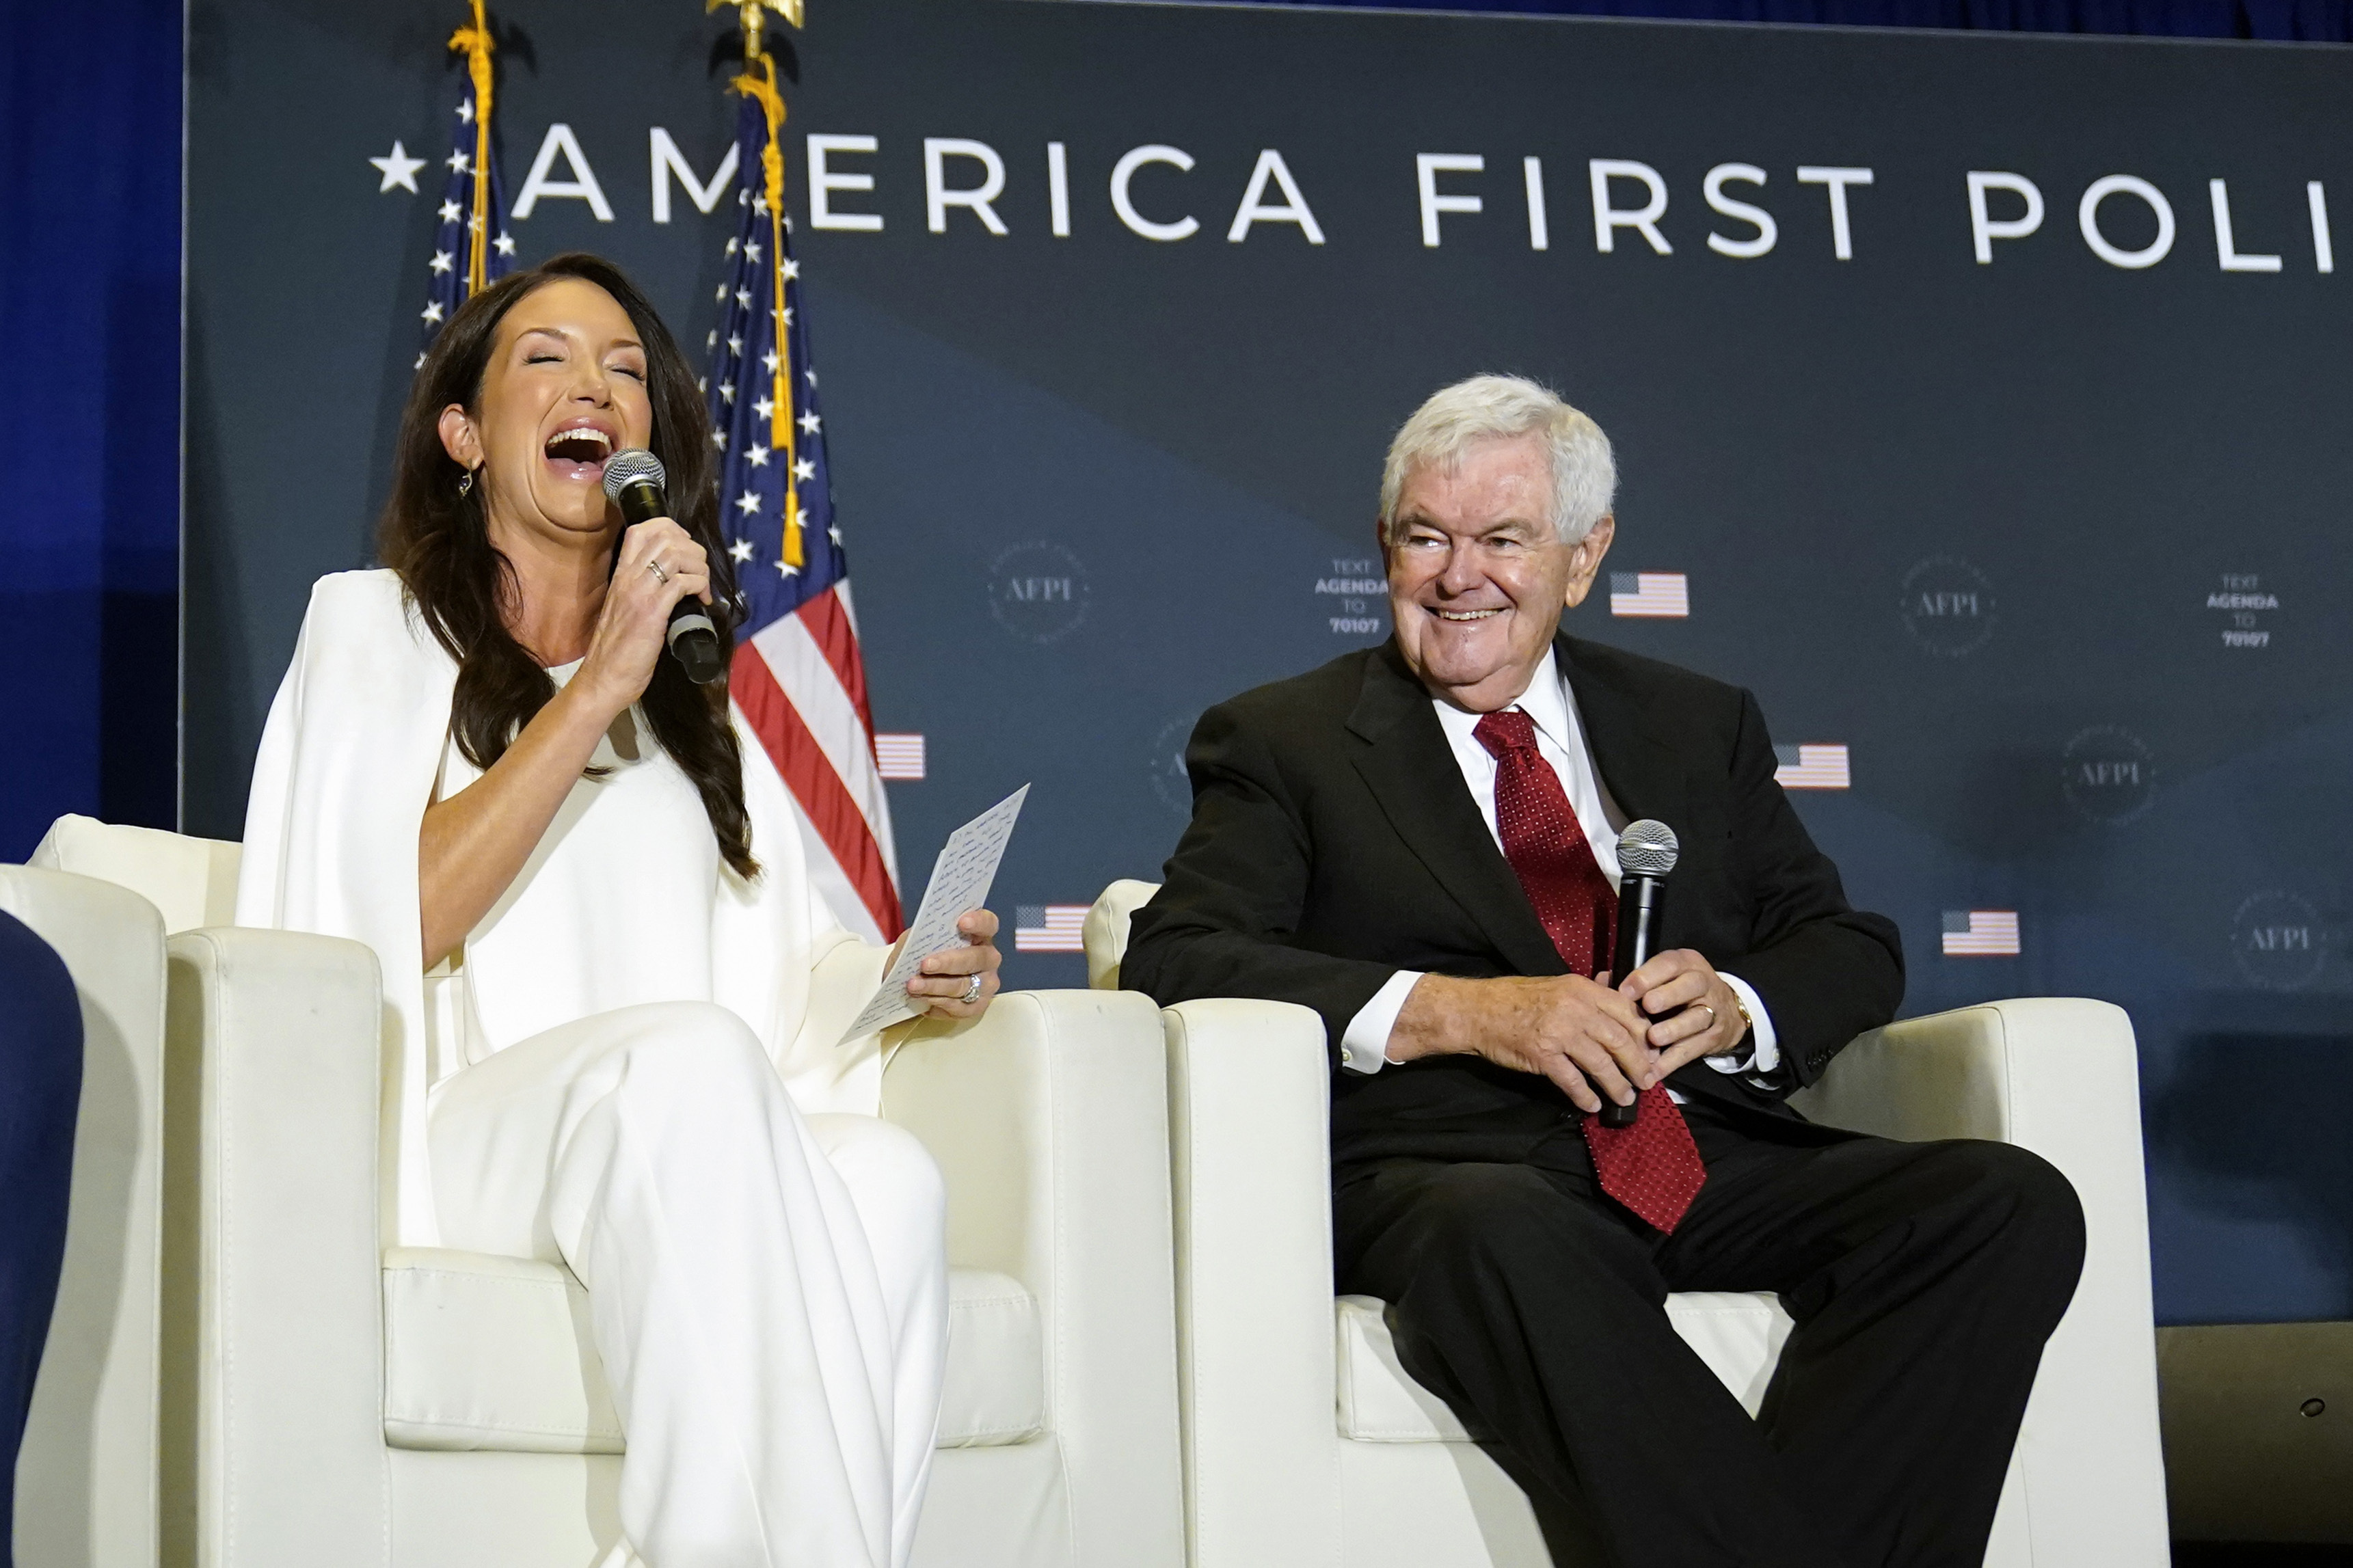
(345, 768)
(1763, 1052)
(1363, 1047)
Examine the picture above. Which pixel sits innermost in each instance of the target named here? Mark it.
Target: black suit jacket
(1333, 843)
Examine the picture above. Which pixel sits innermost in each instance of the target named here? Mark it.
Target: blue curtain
(89, 527)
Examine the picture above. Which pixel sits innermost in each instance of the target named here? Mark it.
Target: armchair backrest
(1104, 934)
(191, 880)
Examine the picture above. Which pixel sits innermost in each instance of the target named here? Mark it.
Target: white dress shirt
(1560, 740)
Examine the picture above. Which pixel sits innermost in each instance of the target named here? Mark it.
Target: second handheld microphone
(634, 480)
(1646, 853)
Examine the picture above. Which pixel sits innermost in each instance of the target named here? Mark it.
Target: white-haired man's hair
(1488, 407)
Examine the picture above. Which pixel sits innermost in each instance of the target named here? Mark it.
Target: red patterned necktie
(1652, 1167)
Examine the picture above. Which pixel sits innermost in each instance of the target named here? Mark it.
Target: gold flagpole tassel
(476, 41)
(759, 82)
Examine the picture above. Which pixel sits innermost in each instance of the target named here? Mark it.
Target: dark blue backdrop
(1995, 527)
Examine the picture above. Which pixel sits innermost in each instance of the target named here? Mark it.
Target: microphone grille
(1647, 848)
(629, 466)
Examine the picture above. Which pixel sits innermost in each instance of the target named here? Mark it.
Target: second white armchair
(1306, 1441)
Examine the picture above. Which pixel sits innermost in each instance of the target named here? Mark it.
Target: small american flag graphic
(1664, 594)
(1810, 767)
(1980, 933)
(1048, 928)
(900, 758)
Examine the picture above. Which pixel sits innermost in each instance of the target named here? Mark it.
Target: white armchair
(86, 1477)
(327, 1401)
(1305, 1441)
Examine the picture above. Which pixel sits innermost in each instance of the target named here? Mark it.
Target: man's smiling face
(1478, 576)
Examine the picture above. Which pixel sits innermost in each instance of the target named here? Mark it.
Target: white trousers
(768, 1290)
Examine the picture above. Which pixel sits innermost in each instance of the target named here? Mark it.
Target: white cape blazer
(625, 901)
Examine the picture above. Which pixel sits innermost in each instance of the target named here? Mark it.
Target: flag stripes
(900, 758)
(832, 625)
(799, 666)
(829, 810)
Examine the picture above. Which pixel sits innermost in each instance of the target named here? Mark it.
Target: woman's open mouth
(579, 452)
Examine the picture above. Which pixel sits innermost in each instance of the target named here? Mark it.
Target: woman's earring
(466, 485)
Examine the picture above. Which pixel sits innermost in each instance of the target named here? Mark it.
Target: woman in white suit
(601, 954)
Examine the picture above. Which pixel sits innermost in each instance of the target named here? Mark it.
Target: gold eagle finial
(753, 14)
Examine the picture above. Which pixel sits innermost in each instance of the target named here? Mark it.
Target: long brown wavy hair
(465, 588)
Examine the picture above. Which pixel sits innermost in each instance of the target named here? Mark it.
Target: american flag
(799, 677)
(1980, 933)
(1048, 928)
(1810, 767)
(1650, 593)
(472, 247)
(900, 757)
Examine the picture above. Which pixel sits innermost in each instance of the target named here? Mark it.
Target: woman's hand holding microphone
(475, 843)
(659, 565)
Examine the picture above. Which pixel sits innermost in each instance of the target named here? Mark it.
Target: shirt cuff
(1363, 1047)
(1762, 1054)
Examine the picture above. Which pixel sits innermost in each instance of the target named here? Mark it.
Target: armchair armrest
(2059, 1075)
(1049, 1118)
(273, 1273)
(1249, 1088)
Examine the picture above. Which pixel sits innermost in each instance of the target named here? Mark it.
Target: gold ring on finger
(655, 566)
(1709, 1011)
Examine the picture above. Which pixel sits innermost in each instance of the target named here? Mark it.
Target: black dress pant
(1923, 1279)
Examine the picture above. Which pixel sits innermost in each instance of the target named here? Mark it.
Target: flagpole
(477, 43)
(798, 678)
(759, 82)
(472, 247)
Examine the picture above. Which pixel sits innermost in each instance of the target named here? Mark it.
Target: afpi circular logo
(2107, 773)
(1947, 605)
(2278, 941)
(1038, 591)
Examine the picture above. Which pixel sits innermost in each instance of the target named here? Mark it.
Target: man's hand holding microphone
(1592, 1040)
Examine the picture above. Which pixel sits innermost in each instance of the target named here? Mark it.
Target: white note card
(960, 881)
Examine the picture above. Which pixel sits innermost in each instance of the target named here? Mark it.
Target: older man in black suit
(1419, 841)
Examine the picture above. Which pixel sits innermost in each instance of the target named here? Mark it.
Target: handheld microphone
(633, 481)
(1646, 853)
